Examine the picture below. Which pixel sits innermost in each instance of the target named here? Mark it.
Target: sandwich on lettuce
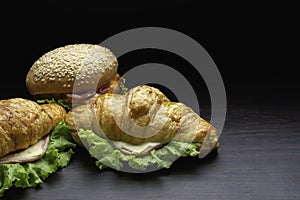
(140, 131)
(34, 142)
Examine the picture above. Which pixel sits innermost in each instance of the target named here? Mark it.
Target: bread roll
(56, 72)
(23, 122)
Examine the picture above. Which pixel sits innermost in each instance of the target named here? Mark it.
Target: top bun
(76, 68)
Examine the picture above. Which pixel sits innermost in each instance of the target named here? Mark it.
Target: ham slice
(32, 153)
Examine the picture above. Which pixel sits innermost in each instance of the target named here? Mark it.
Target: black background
(254, 45)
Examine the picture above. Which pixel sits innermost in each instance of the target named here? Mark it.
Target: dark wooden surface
(259, 158)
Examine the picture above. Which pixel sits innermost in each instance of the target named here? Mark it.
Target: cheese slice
(32, 153)
(136, 149)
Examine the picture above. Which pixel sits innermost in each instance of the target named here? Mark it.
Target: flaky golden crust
(23, 122)
(144, 114)
(80, 118)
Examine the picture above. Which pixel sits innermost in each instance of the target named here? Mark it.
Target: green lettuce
(57, 155)
(123, 88)
(107, 156)
(59, 102)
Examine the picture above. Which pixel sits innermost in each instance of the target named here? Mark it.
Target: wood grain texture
(258, 159)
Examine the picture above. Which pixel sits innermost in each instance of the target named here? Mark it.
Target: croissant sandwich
(34, 142)
(24, 122)
(140, 129)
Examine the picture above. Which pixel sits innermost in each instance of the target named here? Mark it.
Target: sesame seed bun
(76, 67)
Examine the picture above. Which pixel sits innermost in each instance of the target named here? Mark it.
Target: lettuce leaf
(107, 156)
(123, 88)
(58, 155)
(59, 102)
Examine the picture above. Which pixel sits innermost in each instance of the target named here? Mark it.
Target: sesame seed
(75, 62)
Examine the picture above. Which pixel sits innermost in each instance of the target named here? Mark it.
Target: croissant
(143, 114)
(23, 122)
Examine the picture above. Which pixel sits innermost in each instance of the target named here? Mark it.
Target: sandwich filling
(116, 85)
(32, 153)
